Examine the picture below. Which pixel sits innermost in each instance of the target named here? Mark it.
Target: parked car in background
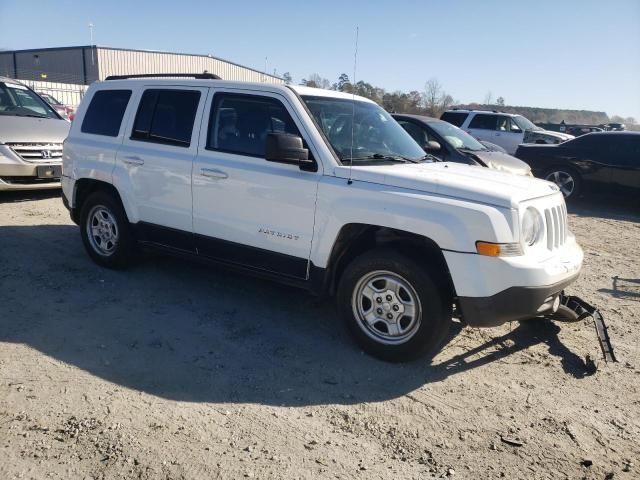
(65, 111)
(318, 189)
(614, 127)
(505, 129)
(447, 142)
(31, 136)
(582, 130)
(595, 162)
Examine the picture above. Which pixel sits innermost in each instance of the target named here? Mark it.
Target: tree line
(434, 100)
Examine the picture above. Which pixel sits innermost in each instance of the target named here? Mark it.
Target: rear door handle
(132, 160)
(213, 173)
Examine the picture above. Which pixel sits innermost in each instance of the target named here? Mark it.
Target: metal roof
(142, 51)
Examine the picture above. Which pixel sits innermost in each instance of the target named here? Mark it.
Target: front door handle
(132, 160)
(213, 173)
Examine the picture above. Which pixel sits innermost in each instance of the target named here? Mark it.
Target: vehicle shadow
(28, 195)
(601, 205)
(188, 332)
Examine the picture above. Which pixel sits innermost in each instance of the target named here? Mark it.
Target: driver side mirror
(432, 146)
(288, 148)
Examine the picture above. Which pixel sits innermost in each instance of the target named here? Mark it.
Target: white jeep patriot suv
(317, 189)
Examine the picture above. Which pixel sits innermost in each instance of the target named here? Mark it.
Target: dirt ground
(174, 370)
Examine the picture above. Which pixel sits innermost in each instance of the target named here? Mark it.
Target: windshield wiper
(428, 156)
(30, 115)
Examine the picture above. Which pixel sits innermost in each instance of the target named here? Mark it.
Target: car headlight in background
(532, 227)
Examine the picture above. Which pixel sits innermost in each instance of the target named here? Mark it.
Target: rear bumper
(512, 304)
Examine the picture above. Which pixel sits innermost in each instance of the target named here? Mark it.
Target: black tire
(561, 171)
(435, 306)
(116, 254)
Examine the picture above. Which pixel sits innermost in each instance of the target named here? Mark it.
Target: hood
(502, 162)
(33, 130)
(467, 182)
(530, 136)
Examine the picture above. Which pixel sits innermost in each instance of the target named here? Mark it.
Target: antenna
(353, 105)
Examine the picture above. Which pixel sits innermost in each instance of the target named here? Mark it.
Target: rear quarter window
(454, 118)
(105, 112)
(484, 122)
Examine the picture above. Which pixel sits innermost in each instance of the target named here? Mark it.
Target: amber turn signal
(490, 249)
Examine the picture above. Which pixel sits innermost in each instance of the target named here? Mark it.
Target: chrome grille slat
(547, 217)
(33, 152)
(556, 228)
(556, 220)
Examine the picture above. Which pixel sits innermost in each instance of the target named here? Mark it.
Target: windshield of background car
(525, 123)
(50, 99)
(17, 100)
(455, 137)
(375, 133)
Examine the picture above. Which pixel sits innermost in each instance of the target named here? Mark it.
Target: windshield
(376, 136)
(458, 139)
(50, 99)
(525, 123)
(17, 100)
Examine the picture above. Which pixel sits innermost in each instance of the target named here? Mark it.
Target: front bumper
(512, 304)
(492, 291)
(23, 176)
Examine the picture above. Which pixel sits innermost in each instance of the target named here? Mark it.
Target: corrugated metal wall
(66, 65)
(113, 61)
(54, 65)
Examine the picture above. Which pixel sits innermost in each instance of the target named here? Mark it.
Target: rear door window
(454, 118)
(483, 121)
(166, 116)
(105, 112)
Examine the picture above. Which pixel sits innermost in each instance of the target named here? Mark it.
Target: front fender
(453, 224)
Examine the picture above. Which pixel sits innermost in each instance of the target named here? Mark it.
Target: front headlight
(532, 227)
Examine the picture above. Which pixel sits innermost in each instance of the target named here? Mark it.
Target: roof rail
(198, 76)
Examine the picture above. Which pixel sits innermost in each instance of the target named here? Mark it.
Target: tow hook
(574, 309)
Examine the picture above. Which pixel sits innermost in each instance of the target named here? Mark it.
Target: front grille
(38, 152)
(557, 228)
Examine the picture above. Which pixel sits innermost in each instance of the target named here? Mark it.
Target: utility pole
(91, 41)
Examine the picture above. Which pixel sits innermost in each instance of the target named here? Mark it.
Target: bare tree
(433, 94)
(488, 98)
(316, 81)
(436, 100)
(287, 78)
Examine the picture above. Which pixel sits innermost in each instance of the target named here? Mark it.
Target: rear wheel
(396, 310)
(567, 180)
(105, 231)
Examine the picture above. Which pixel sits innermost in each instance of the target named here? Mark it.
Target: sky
(575, 54)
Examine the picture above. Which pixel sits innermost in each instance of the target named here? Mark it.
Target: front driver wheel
(396, 310)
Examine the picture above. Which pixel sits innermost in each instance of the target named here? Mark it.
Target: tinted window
(166, 116)
(625, 150)
(417, 133)
(589, 141)
(240, 123)
(485, 122)
(105, 112)
(454, 118)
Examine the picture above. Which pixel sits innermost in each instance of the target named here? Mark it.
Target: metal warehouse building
(66, 71)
